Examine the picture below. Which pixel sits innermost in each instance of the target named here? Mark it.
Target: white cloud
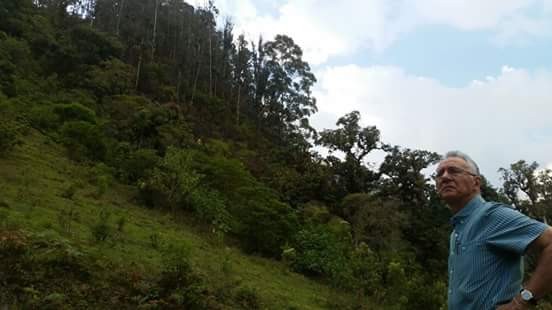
(330, 28)
(497, 120)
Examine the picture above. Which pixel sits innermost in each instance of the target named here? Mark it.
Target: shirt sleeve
(510, 230)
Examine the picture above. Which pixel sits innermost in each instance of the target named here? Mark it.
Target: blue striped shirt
(486, 254)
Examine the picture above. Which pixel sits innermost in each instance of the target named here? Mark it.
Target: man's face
(456, 183)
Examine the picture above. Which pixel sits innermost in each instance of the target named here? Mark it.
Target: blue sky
(430, 74)
(430, 51)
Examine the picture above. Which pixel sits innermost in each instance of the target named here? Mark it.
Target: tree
(282, 82)
(355, 142)
(174, 178)
(374, 221)
(521, 177)
(403, 172)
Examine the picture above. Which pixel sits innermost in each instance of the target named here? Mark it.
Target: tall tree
(355, 142)
(521, 177)
(402, 169)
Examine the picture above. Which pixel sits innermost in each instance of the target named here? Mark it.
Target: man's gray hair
(471, 163)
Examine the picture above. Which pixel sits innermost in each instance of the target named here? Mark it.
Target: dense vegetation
(106, 105)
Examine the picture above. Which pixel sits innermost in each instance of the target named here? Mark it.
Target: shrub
(133, 165)
(74, 112)
(320, 252)
(102, 230)
(172, 181)
(179, 282)
(211, 208)
(121, 223)
(65, 219)
(263, 223)
(101, 176)
(83, 140)
(43, 117)
(69, 191)
(248, 298)
(8, 136)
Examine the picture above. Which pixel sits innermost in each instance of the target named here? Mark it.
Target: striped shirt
(486, 254)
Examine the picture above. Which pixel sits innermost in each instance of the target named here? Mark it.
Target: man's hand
(516, 304)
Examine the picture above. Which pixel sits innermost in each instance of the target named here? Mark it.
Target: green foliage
(248, 298)
(320, 252)
(16, 65)
(172, 182)
(83, 140)
(108, 78)
(69, 191)
(74, 112)
(211, 208)
(265, 224)
(375, 221)
(8, 136)
(132, 164)
(178, 280)
(44, 117)
(102, 177)
(66, 218)
(102, 229)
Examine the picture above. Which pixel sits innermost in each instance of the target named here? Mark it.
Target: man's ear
(477, 180)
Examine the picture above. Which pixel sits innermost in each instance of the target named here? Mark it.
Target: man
(487, 244)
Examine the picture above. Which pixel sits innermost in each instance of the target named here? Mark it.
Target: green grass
(34, 196)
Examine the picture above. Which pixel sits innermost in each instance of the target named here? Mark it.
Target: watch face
(526, 295)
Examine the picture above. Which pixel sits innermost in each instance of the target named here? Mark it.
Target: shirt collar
(467, 210)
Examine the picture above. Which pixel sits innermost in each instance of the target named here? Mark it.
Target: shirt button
(461, 222)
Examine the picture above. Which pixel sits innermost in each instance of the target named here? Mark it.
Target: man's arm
(540, 282)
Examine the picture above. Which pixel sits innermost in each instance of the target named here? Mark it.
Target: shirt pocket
(473, 247)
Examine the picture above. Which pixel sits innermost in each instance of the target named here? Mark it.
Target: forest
(151, 157)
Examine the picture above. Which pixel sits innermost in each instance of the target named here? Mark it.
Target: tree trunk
(138, 69)
(154, 30)
(178, 87)
(238, 106)
(210, 65)
(196, 74)
(118, 26)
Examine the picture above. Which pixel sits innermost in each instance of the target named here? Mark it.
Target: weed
(101, 230)
(69, 191)
(155, 240)
(66, 217)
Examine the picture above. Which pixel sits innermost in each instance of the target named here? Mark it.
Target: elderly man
(487, 244)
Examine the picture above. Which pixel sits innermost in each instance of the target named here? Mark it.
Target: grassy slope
(34, 176)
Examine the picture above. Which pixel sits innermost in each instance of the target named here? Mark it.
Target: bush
(43, 117)
(178, 282)
(101, 176)
(102, 230)
(320, 252)
(263, 223)
(83, 140)
(74, 112)
(172, 182)
(211, 208)
(133, 165)
(8, 137)
(248, 298)
(69, 191)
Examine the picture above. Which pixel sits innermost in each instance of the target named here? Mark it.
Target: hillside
(51, 211)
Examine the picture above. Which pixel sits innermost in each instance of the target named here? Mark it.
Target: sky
(437, 75)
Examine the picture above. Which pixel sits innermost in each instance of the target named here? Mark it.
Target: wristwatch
(527, 296)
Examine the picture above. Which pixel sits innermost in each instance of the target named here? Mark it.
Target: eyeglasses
(452, 171)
